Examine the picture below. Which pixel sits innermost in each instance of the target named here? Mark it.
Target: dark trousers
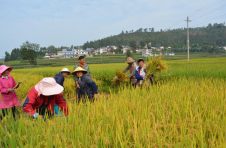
(5, 111)
(44, 112)
(134, 85)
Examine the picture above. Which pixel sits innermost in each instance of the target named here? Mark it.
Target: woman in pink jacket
(8, 95)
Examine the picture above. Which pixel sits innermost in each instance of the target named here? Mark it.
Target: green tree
(119, 49)
(111, 49)
(142, 43)
(52, 49)
(30, 55)
(32, 46)
(129, 54)
(147, 41)
(28, 52)
(133, 44)
(7, 56)
(15, 54)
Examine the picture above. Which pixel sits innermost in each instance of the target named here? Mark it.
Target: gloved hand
(35, 115)
(150, 76)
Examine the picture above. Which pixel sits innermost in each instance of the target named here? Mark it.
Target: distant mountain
(211, 35)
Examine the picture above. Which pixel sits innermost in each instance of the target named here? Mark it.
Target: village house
(125, 48)
(147, 52)
(102, 50)
(113, 47)
(67, 53)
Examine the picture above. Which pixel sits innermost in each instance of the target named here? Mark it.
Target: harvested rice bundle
(120, 78)
(156, 65)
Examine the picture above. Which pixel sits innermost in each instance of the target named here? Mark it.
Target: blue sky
(73, 22)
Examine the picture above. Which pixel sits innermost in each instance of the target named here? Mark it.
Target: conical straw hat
(79, 69)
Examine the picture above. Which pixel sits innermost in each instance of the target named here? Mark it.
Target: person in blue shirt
(60, 80)
(140, 72)
(88, 88)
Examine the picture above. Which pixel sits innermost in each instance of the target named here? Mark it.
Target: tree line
(202, 39)
(211, 35)
(31, 51)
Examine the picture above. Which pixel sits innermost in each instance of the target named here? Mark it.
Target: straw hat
(49, 87)
(79, 69)
(129, 60)
(3, 68)
(65, 70)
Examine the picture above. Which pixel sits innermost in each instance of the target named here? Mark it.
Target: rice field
(187, 108)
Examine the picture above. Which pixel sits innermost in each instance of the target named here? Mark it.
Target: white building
(103, 50)
(72, 53)
(114, 47)
(125, 48)
(147, 52)
(171, 54)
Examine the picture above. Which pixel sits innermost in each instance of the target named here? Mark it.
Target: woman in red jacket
(41, 98)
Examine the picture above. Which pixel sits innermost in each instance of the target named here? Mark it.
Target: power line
(205, 8)
(209, 20)
(209, 12)
(198, 11)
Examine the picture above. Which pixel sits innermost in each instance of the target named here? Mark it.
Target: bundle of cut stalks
(156, 65)
(120, 78)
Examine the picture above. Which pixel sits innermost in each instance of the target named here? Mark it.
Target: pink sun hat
(4, 68)
(48, 87)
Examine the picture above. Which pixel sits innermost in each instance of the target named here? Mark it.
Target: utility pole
(188, 35)
(3, 60)
(101, 54)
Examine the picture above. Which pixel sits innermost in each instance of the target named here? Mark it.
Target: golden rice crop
(156, 65)
(186, 111)
(120, 78)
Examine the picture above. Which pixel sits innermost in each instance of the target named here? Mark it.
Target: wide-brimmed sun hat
(79, 69)
(49, 87)
(3, 68)
(65, 70)
(129, 60)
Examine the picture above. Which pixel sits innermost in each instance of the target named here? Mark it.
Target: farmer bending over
(60, 80)
(41, 98)
(132, 68)
(88, 88)
(83, 65)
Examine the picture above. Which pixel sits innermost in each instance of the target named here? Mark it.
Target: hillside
(211, 35)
